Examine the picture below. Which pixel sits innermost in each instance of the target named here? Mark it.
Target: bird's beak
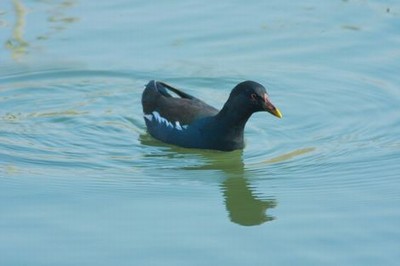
(276, 112)
(270, 108)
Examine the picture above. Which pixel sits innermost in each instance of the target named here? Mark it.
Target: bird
(186, 121)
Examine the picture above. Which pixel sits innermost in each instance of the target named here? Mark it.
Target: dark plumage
(189, 122)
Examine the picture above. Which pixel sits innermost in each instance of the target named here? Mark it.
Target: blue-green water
(82, 183)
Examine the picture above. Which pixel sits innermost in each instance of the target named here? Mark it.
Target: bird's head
(255, 96)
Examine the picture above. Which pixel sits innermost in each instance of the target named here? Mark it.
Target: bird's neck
(232, 120)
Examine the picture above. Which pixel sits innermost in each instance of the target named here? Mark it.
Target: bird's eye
(253, 97)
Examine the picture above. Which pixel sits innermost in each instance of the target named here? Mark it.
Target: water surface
(81, 182)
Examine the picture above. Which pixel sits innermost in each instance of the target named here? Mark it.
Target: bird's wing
(183, 109)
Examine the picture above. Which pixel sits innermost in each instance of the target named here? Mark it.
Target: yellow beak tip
(278, 113)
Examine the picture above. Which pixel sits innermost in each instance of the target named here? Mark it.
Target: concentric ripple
(91, 120)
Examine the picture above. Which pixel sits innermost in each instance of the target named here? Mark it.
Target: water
(81, 182)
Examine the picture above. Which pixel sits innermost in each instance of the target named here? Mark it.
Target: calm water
(82, 183)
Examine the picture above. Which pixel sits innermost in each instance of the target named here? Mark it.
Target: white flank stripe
(148, 117)
(162, 120)
(178, 125)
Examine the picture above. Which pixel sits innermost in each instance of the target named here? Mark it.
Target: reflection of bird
(243, 207)
(189, 122)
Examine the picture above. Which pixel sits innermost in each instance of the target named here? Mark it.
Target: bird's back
(184, 109)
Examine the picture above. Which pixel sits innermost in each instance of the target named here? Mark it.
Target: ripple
(330, 138)
(67, 118)
(89, 121)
